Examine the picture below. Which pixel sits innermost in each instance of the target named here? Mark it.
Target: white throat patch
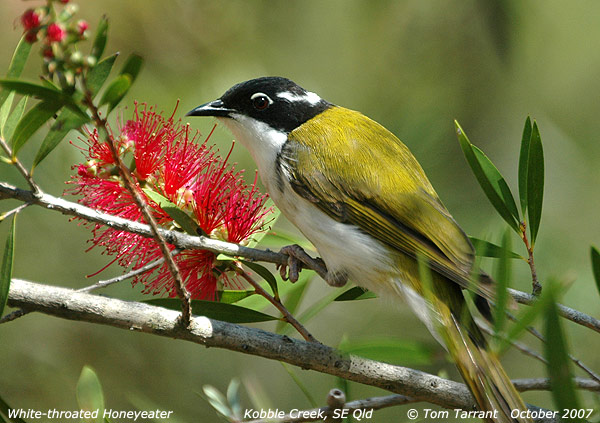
(309, 97)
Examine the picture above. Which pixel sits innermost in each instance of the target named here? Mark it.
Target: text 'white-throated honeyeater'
(360, 196)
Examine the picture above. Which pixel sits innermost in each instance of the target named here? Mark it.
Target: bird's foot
(298, 258)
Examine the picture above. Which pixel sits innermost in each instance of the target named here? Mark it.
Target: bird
(358, 194)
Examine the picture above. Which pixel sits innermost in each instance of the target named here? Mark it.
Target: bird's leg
(297, 258)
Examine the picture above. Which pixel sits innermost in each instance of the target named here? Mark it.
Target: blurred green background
(414, 66)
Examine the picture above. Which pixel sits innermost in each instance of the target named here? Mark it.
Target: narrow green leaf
(214, 310)
(355, 293)
(43, 93)
(100, 38)
(233, 296)
(17, 64)
(5, 111)
(183, 219)
(305, 390)
(98, 75)
(596, 265)
(89, 393)
(491, 181)
(523, 163)
(233, 397)
(32, 121)
(503, 278)
(485, 248)
(264, 273)
(132, 66)
(66, 121)
(7, 266)
(559, 370)
(115, 91)
(14, 118)
(217, 400)
(535, 182)
(390, 350)
(4, 408)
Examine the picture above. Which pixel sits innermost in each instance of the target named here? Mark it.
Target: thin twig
(286, 314)
(22, 170)
(14, 315)
(575, 360)
(182, 293)
(536, 286)
(518, 345)
(186, 241)
(16, 210)
(128, 275)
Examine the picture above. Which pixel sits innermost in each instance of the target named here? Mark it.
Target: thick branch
(185, 241)
(417, 385)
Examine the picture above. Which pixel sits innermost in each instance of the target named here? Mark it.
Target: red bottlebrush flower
(171, 163)
(56, 32)
(64, 1)
(82, 26)
(30, 19)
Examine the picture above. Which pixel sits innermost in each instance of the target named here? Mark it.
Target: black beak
(212, 108)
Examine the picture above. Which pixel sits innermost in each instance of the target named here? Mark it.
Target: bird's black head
(276, 101)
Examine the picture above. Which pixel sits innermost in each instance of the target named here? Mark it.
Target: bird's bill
(212, 108)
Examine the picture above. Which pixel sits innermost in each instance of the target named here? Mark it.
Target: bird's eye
(261, 101)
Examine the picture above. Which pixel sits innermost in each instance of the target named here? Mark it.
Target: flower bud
(30, 19)
(31, 36)
(82, 26)
(55, 32)
(77, 58)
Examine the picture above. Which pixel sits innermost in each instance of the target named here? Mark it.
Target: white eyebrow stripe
(309, 97)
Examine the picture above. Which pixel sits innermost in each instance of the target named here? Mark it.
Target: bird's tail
(480, 368)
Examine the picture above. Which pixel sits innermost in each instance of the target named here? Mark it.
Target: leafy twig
(22, 170)
(536, 286)
(237, 267)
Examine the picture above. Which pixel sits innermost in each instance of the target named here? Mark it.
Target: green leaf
(503, 278)
(305, 390)
(43, 93)
(16, 66)
(98, 75)
(14, 118)
(355, 293)
(89, 393)
(5, 110)
(115, 91)
(183, 219)
(390, 350)
(132, 66)
(217, 400)
(32, 121)
(233, 296)
(100, 38)
(523, 163)
(557, 354)
(264, 273)
(596, 265)
(7, 266)
(214, 310)
(491, 181)
(535, 182)
(233, 397)
(485, 248)
(66, 121)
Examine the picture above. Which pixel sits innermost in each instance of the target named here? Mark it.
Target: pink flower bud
(55, 32)
(82, 26)
(30, 19)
